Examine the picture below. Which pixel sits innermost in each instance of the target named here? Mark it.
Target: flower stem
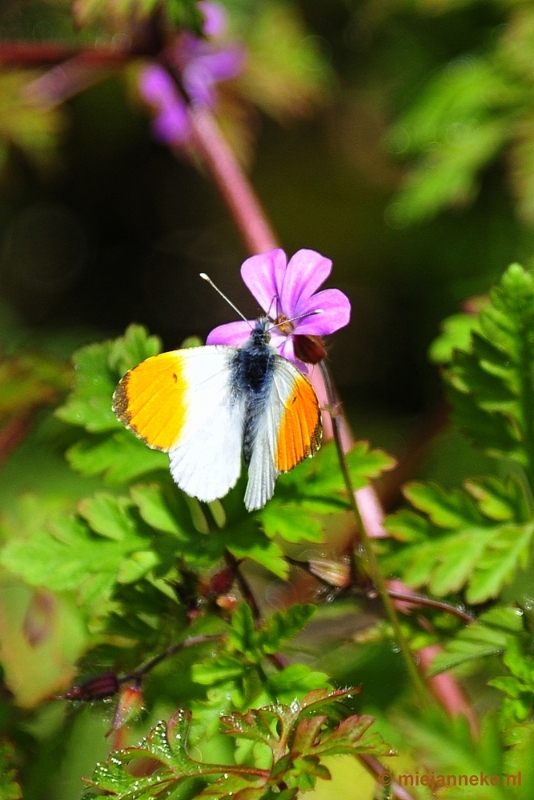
(370, 555)
(232, 183)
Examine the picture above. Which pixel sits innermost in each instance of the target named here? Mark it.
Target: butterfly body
(209, 406)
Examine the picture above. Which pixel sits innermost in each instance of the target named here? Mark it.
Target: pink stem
(232, 184)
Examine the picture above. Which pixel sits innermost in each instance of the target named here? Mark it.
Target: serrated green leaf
(488, 636)
(246, 540)
(256, 643)
(65, 554)
(109, 515)
(295, 681)
(445, 509)
(491, 381)
(98, 370)
(89, 404)
(162, 511)
(501, 501)
(506, 552)
(290, 521)
(455, 545)
(220, 670)
(120, 458)
(129, 350)
(456, 334)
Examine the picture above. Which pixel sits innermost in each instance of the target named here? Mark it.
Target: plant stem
(370, 555)
(232, 184)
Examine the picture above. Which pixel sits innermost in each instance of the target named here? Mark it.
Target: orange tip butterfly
(208, 407)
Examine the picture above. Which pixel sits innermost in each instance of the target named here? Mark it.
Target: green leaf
(98, 370)
(476, 540)
(491, 381)
(161, 510)
(295, 681)
(455, 335)
(458, 123)
(221, 670)
(65, 554)
(109, 515)
(296, 735)
(268, 639)
(488, 636)
(120, 458)
(316, 487)
(291, 522)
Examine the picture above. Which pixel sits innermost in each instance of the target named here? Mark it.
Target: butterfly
(210, 407)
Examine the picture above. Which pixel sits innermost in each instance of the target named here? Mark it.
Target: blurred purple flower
(199, 64)
(285, 291)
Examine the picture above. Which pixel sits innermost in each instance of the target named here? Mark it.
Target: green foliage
(296, 737)
(517, 685)
(475, 539)
(491, 382)
(255, 644)
(470, 109)
(115, 14)
(446, 747)
(286, 74)
(24, 125)
(488, 636)
(478, 538)
(9, 788)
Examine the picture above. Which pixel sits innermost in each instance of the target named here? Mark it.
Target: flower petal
(232, 333)
(306, 271)
(264, 275)
(335, 313)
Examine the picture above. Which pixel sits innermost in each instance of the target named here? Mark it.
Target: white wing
(288, 429)
(206, 461)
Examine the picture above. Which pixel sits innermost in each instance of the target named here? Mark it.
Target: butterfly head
(261, 332)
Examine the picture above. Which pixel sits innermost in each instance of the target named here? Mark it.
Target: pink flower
(287, 291)
(200, 63)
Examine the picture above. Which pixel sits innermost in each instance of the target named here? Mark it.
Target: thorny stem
(370, 555)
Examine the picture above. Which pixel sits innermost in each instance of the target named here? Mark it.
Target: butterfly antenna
(300, 316)
(209, 280)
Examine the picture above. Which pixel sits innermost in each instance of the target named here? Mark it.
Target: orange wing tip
(301, 429)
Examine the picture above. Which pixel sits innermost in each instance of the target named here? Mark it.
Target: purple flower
(199, 64)
(285, 291)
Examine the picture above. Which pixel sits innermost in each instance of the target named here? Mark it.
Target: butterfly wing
(183, 402)
(287, 430)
